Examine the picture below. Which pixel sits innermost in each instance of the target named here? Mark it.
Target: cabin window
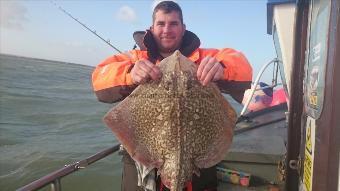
(279, 56)
(316, 56)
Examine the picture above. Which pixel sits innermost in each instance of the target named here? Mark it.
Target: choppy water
(50, 117)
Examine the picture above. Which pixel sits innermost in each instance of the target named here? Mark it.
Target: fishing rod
(87, 28)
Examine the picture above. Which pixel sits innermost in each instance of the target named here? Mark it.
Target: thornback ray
(174, 124)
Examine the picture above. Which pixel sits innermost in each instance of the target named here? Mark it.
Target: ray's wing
(216, 128)
(124, 122)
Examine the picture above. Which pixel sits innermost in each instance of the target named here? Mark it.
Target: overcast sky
(39, 29)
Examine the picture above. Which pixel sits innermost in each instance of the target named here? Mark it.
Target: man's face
(167, 30)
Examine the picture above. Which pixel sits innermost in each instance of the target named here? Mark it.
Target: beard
(168, 48)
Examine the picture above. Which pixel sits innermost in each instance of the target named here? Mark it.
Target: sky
(37, 28)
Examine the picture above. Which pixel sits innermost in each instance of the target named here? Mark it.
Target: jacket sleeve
(237, 73)
(112, 80)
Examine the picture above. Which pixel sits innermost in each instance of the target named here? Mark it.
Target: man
(117, 76)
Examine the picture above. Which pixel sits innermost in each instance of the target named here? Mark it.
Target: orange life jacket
(112, 79)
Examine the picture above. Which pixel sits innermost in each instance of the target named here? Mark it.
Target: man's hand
(209, 70)
(143, 70)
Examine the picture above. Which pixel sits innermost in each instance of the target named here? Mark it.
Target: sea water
(50, 117)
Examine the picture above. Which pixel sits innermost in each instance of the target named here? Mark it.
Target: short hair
(167, 7)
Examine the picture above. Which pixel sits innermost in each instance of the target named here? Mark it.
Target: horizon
(44, 59)
(38, 29)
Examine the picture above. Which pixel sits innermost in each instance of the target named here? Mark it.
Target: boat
(293, 145)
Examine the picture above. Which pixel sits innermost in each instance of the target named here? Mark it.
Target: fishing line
(87, 28)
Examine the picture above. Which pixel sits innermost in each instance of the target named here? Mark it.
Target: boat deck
(257, 149)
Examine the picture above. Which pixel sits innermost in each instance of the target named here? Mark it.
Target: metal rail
(257, 80)
(55, 177)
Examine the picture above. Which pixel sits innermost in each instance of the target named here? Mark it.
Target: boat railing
(54, 178)
(254, 88)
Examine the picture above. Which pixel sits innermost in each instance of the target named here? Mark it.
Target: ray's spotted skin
(174, 124)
